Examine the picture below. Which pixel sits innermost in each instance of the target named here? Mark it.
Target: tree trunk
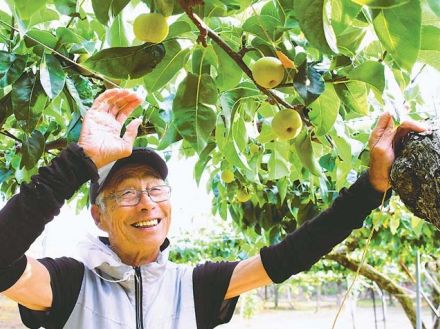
(382, 281)
(415, 175)
(275, 296)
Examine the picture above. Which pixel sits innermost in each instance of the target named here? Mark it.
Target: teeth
(147, 223)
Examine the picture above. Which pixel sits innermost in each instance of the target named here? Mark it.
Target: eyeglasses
(131, 197)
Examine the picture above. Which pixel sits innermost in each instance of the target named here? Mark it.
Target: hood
(98, 257)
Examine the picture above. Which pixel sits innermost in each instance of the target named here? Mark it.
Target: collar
(106, 241)
(97, 256)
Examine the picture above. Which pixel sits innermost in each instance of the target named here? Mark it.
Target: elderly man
(126, 280)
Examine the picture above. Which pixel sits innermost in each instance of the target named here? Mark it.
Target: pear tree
(216, 77)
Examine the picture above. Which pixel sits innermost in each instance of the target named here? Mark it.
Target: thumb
(131, 131)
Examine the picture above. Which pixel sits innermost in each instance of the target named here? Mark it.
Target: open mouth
(147, 223)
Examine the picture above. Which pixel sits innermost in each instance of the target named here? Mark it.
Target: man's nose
(146, 201)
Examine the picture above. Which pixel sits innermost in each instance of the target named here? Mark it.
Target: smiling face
(135, 232)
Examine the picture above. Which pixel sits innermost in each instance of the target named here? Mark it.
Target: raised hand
(101, 129)
(382, 140)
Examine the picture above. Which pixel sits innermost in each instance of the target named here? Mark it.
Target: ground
(273, 319)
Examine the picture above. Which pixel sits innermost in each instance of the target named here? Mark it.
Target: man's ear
(95, 210)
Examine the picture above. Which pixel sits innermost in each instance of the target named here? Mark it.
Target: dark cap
(139, 155)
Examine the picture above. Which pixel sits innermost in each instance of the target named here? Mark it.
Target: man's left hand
(382, 141)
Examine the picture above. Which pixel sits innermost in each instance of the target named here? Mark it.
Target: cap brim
(144, 156)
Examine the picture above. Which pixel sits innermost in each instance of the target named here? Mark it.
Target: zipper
(138, 295)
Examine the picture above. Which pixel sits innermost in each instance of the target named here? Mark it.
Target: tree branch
(206, 31)
(382, 281)
(8, 134)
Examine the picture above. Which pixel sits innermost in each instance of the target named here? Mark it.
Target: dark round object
(415, 174)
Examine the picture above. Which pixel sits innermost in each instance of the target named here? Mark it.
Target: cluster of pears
(243, 194)
(268, 72)
(151, 27)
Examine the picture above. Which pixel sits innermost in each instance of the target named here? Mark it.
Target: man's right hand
(100, 133)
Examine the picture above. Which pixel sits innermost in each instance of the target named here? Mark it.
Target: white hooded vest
(107, 296)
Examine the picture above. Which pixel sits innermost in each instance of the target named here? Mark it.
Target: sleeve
(315, 238)
(24, 216)
(66, 276)
(210, 283)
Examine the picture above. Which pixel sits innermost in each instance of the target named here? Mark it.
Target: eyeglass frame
(138, 195)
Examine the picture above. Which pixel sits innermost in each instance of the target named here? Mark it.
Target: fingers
(128, 108)
(406, 127)
(131, 131)
(125, 106)
(120, 103)
(104, 97)
(383, 132)
(384, 120)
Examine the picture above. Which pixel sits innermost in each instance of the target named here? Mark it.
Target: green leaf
(127, 62)
(381, 3)
(310, 14)
(66, 7)
(5, 17)
(235, 156)
(398, 29)
(304, 150)
(435, 6)
(36, 37)
(12, 67)
(52, 76)
(231, 99)
(165, 7)
(32, 149)
(394, 224)
(430, 46)
(116, 35)
(44, 15)
(342, 170)
(343, 146)
(194, 116)
(204, 158)
(26, 8)
(170, 136)
(354, 95)
(371, 73)
(263, 27)
(178, 28)
(325, 110)
(278, 165)
(228, 73)
(104, 9)
(74, 128)
(5, 174)
(202, 59)
(28, 100)
(67, 36)
(77, 103)
(308, 83)
(5, 108)
(174, 60)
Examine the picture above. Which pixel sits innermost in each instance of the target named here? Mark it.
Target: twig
(206, 31)
(8, 134)
(12, 34)
(417, 75)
